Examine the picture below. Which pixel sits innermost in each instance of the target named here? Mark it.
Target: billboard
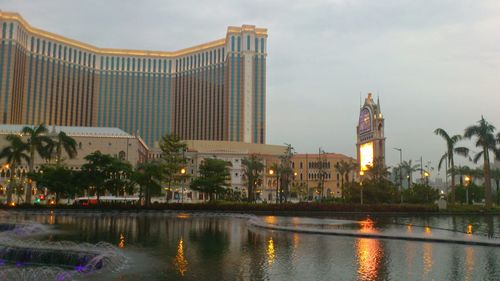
(366, 155)
(365, 121)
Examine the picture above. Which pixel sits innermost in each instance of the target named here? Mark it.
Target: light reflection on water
(191, 247)
(369, 255)
(181, 263)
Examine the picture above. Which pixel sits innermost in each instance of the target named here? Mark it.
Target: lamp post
(272, 174)
(361, 174)
(400, 172)
(426, 175)
(183, 172)
(467, 181)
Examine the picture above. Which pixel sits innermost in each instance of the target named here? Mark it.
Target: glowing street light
(467, 182)
(361, 174)
(183, 172)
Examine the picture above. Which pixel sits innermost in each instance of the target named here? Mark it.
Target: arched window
(121, 155)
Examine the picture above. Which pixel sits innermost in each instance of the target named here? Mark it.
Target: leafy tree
(149, 176)
(119, 176)
(484, 133)
(374, 192)
(286, 172)
(14, 153)
(173, 157)
(104, 172)
(57, 179)
(476, 193)
(213, 179)
(252, 172)
(38, 142)
(451, 150)
(420, 194)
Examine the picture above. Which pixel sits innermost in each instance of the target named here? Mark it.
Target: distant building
(370, 134)
(304, 184)
(309, 171)
(211, 91)
(233, 152)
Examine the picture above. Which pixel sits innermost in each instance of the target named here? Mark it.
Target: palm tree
(14, 153)
(484, 132)
(461, 171)
(409, 168)
(63, 142)
(451, 150)
(252, 172)
(495, 175)
(37, 142)
(344, 168)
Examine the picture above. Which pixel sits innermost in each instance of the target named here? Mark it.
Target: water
(181, 246)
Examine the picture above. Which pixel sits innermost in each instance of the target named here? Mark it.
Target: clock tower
(370, 144)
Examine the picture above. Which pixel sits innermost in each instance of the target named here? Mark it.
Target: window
(121, 155)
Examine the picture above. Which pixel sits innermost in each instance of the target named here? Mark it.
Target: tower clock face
(365, 122)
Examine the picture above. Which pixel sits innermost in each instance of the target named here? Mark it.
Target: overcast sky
(433, 63)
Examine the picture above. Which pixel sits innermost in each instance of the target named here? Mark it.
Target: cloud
(433, 63)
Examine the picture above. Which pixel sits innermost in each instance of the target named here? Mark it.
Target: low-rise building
(111, 141)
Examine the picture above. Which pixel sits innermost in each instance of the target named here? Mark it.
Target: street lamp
(467, 182)
(426, 175)
(183, 172)
(400, 171)
(361, 174)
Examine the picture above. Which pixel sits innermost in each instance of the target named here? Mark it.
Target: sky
(434, 64)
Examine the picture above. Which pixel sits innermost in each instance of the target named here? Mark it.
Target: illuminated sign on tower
(370, 144)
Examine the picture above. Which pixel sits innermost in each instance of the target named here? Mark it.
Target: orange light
(12, 204)
(427, 230)
(409, 227)
(183, 171)
(469, 229)
(271, 172)
(367, 226)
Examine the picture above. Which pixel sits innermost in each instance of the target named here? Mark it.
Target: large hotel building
(213, 91)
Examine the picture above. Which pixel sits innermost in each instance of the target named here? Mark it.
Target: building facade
(305, 184)
(213, 91)
(370, 144)
(112, 141)
(316, 175)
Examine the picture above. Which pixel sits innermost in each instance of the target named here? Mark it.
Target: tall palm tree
(461, 171)
(37, 142)
(451, 150)
(14, 153)
(495, 175)
(66, 143)
(409, 168)
(484, 133)
(344, 168)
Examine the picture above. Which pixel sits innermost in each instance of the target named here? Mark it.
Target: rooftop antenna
(359, 99)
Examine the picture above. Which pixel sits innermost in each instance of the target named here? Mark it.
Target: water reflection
(167, 247)
(427, 259)
(181, 263)
(121, 244)
(469, 263)
(369, 256)
(270, 251)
